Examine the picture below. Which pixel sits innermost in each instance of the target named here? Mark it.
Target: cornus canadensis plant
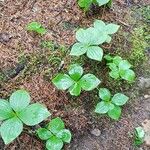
(120, 69)
(18, 111)
(85, 4)
(36, 27)
(90, 39)
(110, 105)
(54, 134)
(76, 81)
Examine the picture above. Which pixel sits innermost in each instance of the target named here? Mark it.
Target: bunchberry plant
(36, 27)
(85, 4)
(110, 105)
(55, 134)
(90, 39)
(120, 69)
(76, 81)
(139, 135)
(18, 111)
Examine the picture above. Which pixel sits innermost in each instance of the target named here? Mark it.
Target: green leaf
(119, 99)
(62, 81)
(78, 49)
(102, 2)
(6, 111)
(108, 40)
(34, 114)
(85, 4)
(113, 67)
(75, 89)
(140, 133)
(128, 75)
(95, 53)
(103, 107)
(114, 74)
(19, 100)
(65, 135)
(89, 82)
(44, 134)
(104, 94)
(11, 129)
(75, 72)
(54, 143)
(99, 24)
(41, 30)
(115, 113)
(56, 125)
(111, 28)
(33, 26)
(124, 65)
(117, 60)
(108, 57)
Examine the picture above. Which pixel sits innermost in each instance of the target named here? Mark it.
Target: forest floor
(25, 63)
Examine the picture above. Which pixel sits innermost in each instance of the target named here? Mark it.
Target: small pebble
(96, 132)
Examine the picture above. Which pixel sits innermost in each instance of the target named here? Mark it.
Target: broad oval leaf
(114, 74)
(89, 82)
(63, 81)
(11, 129)
(34, 114)
(115, 113)
(104, 94)
(140, 133)
(119, 99)
(81, 36)
(95, 53)
(124, 65)
(54, 143)
(108, 57)
(103, 107)
(44, 134)
(78, 49)
(6, 111)
(64, 135)
(56, 125)
(102, 2)
(33, 26)
(108, 40)
(111, 28)
(75, 89)
(19, 100)
(75, 72)
(99, 24)
(113, 66)
(117, 60)
(85, 4)
(128, 75)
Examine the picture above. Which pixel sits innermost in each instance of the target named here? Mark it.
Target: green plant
(139, 135)
(89, 39)
(110, 105)
(54, 134)
(85, 4)
(36, 27)
(18, 111)
(120, 69)
(75, 82)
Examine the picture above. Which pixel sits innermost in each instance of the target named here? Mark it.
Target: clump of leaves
(89, 40)
(76, 81)
(85, 4)
(36, 27)
(120, 69)
(139, 135)
(54, 134)
(18, 111)
(110, 105)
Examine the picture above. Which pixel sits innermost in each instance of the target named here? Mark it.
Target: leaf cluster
(120, 69)
(18, 111)
(55, 134)
(110, 105)
(88, 40)
(75, 81)
(36, 27)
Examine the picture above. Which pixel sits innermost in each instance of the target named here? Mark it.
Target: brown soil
(24, 64)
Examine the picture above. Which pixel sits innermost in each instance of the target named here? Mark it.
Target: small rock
(4, 37)
(146, 96)
(144, 83)
(96, 132)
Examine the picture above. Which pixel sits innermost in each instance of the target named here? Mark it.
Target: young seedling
(90, 39)
(139, 135)
(76, 81)
(18, 111)
(54, 134)
(110, 105)
(36, 27)
(120, 69)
